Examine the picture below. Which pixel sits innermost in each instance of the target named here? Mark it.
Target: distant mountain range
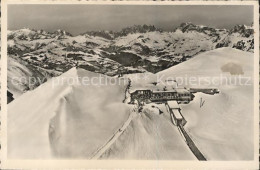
(136, 49)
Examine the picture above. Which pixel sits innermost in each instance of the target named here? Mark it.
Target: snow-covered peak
(189, 27)
(244, 30)
(22, 34)
(31, 34)
(141, 47)
(25, 30)
(71, 73)
(62, 33)
(104, 34)
(139, 29)
(124, 32)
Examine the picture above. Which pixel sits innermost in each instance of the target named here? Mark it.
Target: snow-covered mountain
(22, 76)
(222, 128)
(31, 34)
(60, 110)
(135, 49)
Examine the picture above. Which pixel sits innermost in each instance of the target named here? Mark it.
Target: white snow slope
(74, 121)
(22, 77)
(150, 136)
(223, 127)
(64, 120)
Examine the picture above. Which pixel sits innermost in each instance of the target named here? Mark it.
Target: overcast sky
(78, 19)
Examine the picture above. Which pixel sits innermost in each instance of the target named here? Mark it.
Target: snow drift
(65, 120)
(223, 127)
(150, 136)
(74, 121)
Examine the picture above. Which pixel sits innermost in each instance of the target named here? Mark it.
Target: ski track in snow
(112, 140)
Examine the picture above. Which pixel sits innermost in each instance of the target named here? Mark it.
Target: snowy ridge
(222, 128)
(59, 111)
(141, 48)
(49, 127)
(22, 77)
(137, 49)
